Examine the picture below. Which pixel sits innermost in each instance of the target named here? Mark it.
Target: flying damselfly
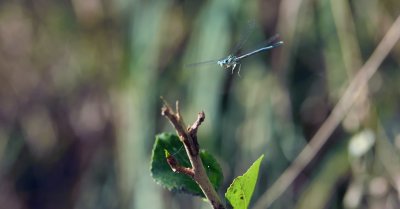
(234, 62)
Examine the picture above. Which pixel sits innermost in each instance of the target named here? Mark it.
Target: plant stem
(188, 136)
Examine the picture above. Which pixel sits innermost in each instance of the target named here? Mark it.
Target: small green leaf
(163, 174)
(241, 190)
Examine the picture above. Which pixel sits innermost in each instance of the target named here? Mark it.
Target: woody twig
(188, 137)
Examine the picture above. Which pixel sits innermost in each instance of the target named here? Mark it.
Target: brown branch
(188, 137)
(193, 129)
(200, 119)
(176, 120)
(173, 163)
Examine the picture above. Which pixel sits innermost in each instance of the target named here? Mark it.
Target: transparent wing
(249, 29)
(197, 64)
(273, 40)
(270, 44)
(244, 37)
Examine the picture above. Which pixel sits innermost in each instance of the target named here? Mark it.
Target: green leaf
(241, 190)
(163, 174)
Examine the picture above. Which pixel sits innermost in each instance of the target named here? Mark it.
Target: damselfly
(233, 62)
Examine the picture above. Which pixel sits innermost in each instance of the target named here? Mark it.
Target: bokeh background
(80, 83)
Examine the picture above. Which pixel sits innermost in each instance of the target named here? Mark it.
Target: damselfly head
(221, 62)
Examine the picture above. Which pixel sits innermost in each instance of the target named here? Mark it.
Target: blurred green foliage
(80, 83)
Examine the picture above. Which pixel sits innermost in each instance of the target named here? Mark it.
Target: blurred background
(80, 83)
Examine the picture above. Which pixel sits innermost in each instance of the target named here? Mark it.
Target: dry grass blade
(345, 103)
